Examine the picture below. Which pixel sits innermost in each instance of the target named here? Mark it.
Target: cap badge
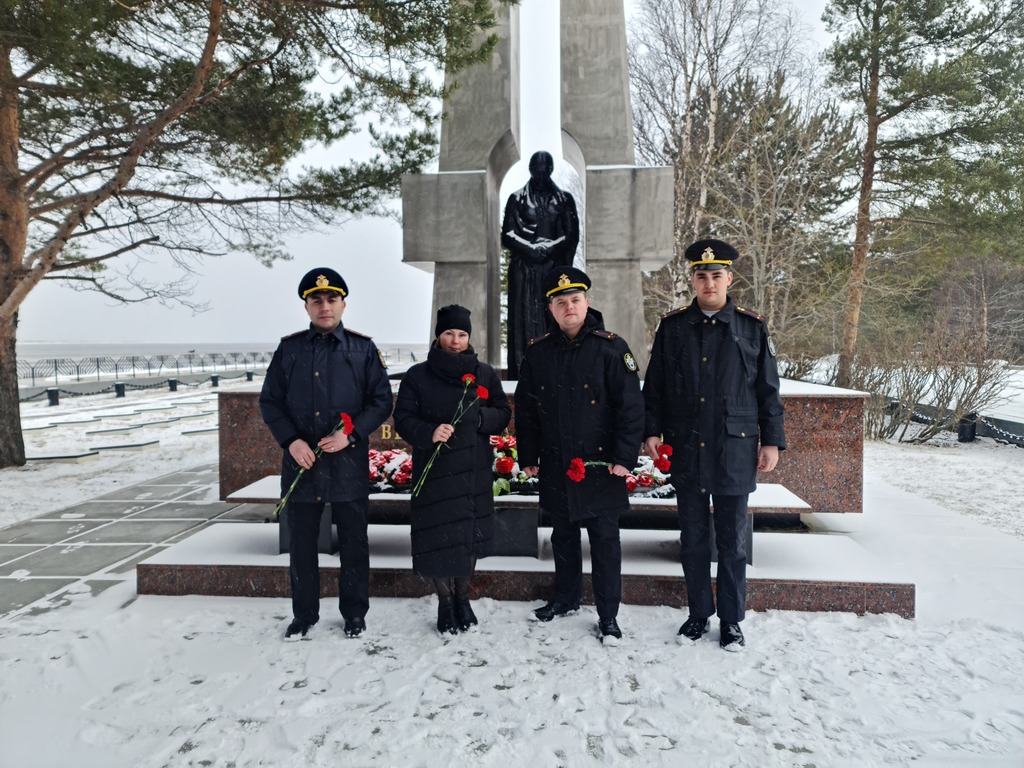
(322, 282)
(563, 280)
(708, 255)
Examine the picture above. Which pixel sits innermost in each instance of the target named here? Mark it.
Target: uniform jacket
(579, 399)
(712, 393)
(312, 379)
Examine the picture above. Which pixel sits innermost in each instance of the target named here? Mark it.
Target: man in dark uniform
(578, 400)
(315, 376)
(712, 393)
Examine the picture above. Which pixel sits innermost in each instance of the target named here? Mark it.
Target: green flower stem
(459, 413)
(302, 470)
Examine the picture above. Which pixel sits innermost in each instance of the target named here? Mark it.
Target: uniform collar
(724, 315)
(338, 333)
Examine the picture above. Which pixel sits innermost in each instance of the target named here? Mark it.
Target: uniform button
(316, 413)
(316, 373)
(713, 322)
(600, 449)
(703, 359)
(318, 498)
(703, 490)
(705, 321)
(743, 434)
(702, 399)
(586, 386)
(702, 445)
(593, 402)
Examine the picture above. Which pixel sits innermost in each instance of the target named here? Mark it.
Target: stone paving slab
(10, 552)
(152, 492)
(129, 565)
(135, 532)
(200, 475)
(17, 593)
(105, 510)
(178, 510)
(45, 531)
(71, 561)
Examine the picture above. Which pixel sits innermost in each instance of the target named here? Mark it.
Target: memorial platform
(798, 572)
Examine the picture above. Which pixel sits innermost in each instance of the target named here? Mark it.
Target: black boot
(464, 613)
(446, 621)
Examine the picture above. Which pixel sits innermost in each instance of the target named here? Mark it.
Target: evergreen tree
(937, 85)
(170, 129)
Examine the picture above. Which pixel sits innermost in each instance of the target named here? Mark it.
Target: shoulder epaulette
(674, 312)
(539, 338)
(603, 334)
(293, 335)
(357, 333)
(751, 313)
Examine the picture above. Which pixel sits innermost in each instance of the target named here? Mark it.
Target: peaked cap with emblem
(711, 254)
(322, 279)
(565, 280)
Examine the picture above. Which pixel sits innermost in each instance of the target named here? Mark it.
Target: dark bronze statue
(541, 230)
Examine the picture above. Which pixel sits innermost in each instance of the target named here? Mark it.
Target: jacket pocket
(741, 425)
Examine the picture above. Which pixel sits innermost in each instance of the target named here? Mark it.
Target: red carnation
(346, 424)
(631, 483)
(406, 466)
(644, 480)
(504, 465)
(665, 450)
(468, 379)
(662, 464)
(577, 471)
(482, 393)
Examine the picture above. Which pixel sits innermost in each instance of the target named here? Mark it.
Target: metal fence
(63, 370)
(54, 371)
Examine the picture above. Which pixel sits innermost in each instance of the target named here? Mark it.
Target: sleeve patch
(630, 362)
(383, 362)
(771, 346)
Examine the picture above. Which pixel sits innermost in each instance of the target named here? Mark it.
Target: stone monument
(451, 219)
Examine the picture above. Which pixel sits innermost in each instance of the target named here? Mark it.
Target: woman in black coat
(452, 513)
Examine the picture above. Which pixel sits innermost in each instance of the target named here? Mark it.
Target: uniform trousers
(605, 561)
(730, 521)
(351, 518)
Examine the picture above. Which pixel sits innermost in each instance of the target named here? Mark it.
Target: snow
(117, 679)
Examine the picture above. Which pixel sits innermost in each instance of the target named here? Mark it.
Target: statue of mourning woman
(541, 230)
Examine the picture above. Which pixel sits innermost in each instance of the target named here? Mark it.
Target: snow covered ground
(117, 679)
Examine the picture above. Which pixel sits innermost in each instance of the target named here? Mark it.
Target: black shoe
(732, 637)
(551, 610)
(446, 621)
(298, 627)
(610, 632)
(693, 628)
(355, 627)
(464, 614)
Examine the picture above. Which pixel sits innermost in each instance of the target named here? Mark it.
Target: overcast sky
(251, 304)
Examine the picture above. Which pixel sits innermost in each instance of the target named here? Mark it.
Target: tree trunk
(13, 236)
(12, 444)
(862, 235)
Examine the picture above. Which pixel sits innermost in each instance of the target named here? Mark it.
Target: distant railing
(53, 371)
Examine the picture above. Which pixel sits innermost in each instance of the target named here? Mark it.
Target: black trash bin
(968, 428)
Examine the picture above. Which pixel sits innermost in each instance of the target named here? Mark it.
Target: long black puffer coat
(452, 517)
